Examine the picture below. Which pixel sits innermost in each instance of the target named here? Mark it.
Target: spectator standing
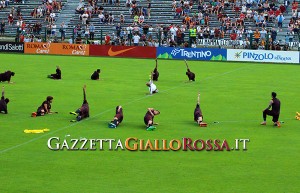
(136, 39)
(273, 34)
(2, 28)
(92, 31)
(62, 31)
(280, 19)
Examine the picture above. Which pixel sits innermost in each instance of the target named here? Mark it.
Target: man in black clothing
(190, 74)
(3, 103)
(84, 110)
(95, 75)
(45, 107)
(198, 116)
(2, 28)
(57, 75)
(6, 76)
(118, 118)
(155, 73)
(274, 112)
(149, 117)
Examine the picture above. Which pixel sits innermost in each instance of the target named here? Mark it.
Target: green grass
(232, 93)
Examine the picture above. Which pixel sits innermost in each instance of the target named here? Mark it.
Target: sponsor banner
(57, 48)
(123, 51)
(191, 53)
(263, 56)
(11, 47)
(37, 48)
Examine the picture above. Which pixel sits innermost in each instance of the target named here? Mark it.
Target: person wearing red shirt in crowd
(107, 39)
(271, 14)
(23, 25)
(220, 16)
(242, 16)
(233, 37)
(178, 12)
(217, 33)
(239, 22)
(277, 12)
(22, 38)
(10, 19)
(282, 8)
(294, 7)
(237, 10)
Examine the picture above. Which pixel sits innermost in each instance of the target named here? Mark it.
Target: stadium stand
(226, 21)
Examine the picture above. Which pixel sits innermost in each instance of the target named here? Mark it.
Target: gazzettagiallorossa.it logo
(135, 144)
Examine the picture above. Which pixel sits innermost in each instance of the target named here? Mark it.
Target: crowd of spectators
(245, 23)
(30, 31)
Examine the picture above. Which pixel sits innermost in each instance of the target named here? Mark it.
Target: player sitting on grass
(155, 73)
(275, 112)
(57, 75)
(84, 110)
(95, 75)
(118, 118)
(190, 74)
(198, 116)
(45, 108)
(3, 103)
(152, 86)
(148, 119)
(5, 76)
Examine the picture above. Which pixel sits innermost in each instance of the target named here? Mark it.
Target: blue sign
(191, 53)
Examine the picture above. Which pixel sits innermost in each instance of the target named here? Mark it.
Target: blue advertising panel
(191, 53)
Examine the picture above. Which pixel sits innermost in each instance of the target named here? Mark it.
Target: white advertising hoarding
(263, 56)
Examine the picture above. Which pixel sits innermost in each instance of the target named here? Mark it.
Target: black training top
(276, 105)
(3, 105)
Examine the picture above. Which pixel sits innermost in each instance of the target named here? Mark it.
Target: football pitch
(233, 96)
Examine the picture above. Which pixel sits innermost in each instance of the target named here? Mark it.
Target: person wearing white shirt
(52, 16)
(174, 5)
(136, 39)
(152, 87)
(141, 19)
(150, 30)
(173, 31)
(84, 17)
(263, 33)
(244, 9)
(101, 17)
(129, 30)
(39, 12)
(26, 39)
(53, 29)
(249, 32)
(86, 32)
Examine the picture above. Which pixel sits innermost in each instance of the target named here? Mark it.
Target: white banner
(221, 42)
(263, 56)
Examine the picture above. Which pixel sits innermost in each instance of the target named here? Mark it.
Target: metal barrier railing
(160, 38)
